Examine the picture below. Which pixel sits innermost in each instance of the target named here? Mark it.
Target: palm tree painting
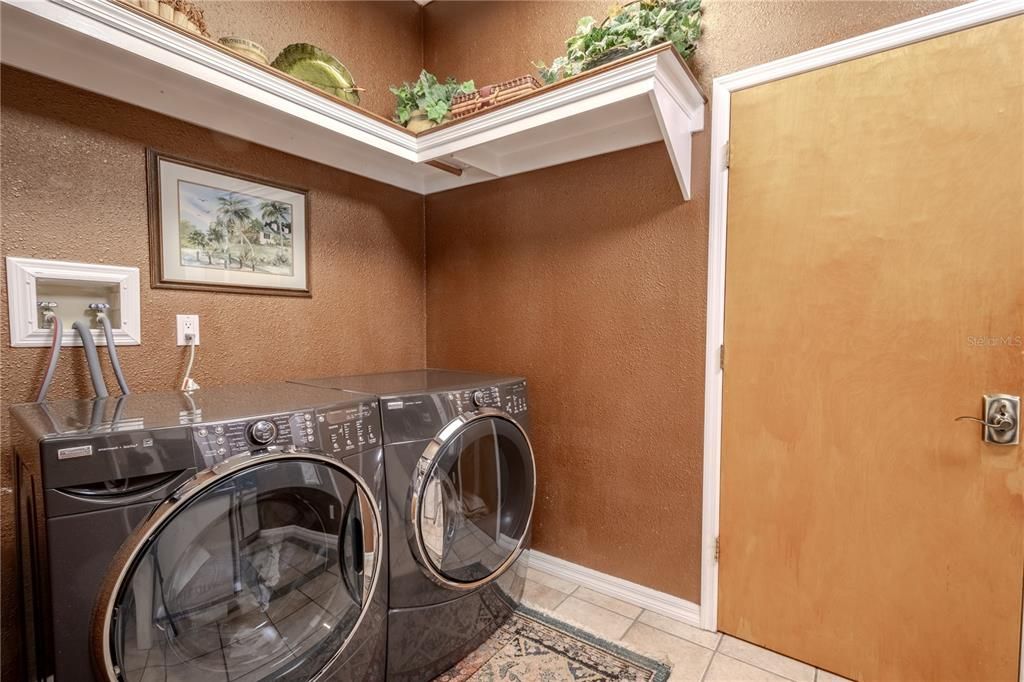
(234, 231)
(277, 218)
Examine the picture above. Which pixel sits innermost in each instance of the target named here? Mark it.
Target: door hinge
(727, 154)
(718, 548)
(721, 356)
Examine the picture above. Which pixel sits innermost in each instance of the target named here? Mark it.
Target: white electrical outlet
(188, 325)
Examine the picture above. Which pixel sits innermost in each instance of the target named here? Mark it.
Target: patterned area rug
(532, 647)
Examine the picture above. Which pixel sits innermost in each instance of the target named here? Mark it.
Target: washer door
(472, 499)
(258, 569)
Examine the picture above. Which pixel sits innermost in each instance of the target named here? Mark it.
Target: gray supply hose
(91, 357)
(51, 367)
(112, 351)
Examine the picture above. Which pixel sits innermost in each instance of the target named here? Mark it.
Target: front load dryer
(232, 533)
(461, 483)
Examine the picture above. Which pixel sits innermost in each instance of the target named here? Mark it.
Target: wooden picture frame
(212, 229)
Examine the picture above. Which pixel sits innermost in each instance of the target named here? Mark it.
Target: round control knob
(478, 398)
(262, 432)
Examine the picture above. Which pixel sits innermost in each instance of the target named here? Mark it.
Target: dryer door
(472, 499)
(260, 568)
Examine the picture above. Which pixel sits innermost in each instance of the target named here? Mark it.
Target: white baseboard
(638, 595)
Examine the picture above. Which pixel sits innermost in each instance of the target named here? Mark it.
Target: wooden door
(874, 292)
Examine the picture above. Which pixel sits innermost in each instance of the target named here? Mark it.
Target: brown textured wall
(381, 43)
(590, 279)
(491, 41)
(74, 188)
(591, 284)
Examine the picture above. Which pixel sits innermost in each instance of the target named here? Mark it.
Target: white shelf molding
(122, 53)
(23, 275)
(629, 592)
(637, 101)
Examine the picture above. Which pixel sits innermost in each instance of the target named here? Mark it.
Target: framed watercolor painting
(214, 230)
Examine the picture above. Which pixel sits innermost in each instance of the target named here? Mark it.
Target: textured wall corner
(590, 279)
(600, 304)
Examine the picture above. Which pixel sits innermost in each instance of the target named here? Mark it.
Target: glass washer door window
(261, 573)
(473, 501)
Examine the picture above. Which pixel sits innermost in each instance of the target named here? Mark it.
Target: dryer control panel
(510, 398)
(422, 416)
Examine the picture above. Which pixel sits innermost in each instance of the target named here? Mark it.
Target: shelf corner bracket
(677, 128)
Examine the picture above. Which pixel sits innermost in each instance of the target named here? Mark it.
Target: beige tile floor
(694, 654)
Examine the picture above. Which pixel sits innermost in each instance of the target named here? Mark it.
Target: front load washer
(227, 533)
(461, 485)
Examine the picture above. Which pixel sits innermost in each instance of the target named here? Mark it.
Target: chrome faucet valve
(49, 315)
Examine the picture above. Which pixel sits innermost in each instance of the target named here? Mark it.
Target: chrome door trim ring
(138, 540)
(428, 460)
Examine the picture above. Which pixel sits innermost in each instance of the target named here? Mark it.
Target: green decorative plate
(319, 68)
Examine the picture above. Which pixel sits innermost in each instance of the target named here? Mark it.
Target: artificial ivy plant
(428, 95)
(630, 28)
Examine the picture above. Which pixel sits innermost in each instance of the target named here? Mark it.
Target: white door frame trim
(933, 25)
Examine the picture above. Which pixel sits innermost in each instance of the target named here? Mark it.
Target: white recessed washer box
(73, 286)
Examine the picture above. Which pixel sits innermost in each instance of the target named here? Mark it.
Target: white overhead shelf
(123, 53)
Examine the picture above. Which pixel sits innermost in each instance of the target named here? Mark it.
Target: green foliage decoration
(628, 29)
(429, 95)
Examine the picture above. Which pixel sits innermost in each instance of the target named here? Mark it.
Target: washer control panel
(349, 428)
(218, 441)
